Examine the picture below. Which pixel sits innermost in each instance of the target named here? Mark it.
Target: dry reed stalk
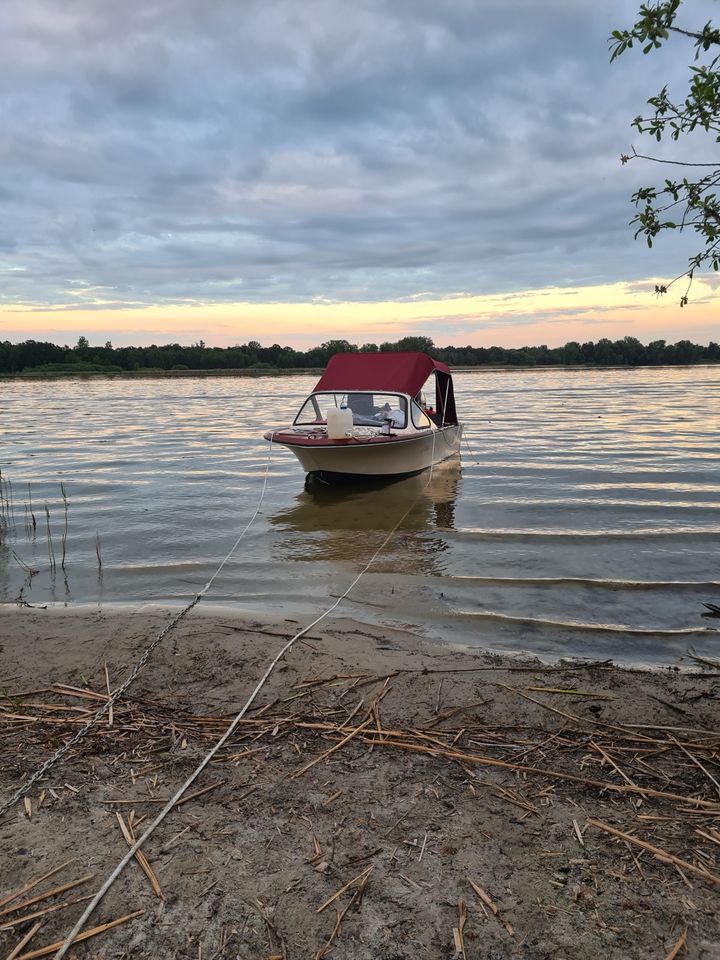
(332, 750)
(604, 754)
(32, 515)
(63, 493)
(11, 924)
(25, 940)
(697, 763)
(458, 930)
(33, 883)
(107, 684)
(79, 692)
(679, 944)
(21, 563)
(572, 692)
(51, 549)
(492, 907)
(46, 894)
(11, 500)
(143, 728)
(186, 799)
(571, 716)
(551, 774)
(663, 855)
(141, 858)
(85, 935)
(340, 914)
(361, 876)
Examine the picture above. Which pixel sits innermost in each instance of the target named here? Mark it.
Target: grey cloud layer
(160, 151)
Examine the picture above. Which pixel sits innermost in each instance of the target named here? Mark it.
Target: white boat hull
(395, 457)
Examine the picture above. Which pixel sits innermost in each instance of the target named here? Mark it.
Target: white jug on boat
(339, 423)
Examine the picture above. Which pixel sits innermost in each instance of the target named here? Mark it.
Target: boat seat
(361, 404)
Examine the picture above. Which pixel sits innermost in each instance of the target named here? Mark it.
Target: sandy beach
(464, 805)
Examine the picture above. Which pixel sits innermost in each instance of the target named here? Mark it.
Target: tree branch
(678, 163)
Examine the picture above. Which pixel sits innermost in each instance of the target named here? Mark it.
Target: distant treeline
(33, 356)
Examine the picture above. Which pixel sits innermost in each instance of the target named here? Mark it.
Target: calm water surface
(585, 519)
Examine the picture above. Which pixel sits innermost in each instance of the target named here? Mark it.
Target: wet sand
(468, 800)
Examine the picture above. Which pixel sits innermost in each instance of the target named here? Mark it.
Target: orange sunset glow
(553, 316)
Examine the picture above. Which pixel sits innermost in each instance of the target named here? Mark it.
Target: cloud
(182, 152)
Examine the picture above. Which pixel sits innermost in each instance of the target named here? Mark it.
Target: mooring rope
(147, 652)
(470, 449)
(70, 939)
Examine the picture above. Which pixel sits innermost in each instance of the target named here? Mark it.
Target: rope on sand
(208, 757)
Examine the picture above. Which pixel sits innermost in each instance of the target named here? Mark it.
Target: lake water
(585, 521)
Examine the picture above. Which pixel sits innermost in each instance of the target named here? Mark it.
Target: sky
(294, 172)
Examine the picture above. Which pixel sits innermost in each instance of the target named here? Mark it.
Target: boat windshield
(369, 409)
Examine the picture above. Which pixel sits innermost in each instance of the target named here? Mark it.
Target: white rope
(470, 449)
(61, 751)
(69, 940)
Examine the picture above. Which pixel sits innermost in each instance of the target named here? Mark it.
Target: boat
(368, 418)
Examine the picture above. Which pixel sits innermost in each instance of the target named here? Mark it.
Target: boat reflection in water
(350, 523)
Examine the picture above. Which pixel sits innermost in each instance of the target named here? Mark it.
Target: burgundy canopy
(390, 372)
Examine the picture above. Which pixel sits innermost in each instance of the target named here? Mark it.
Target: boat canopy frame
(391, 372)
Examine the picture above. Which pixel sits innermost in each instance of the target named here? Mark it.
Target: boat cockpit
(370, 408)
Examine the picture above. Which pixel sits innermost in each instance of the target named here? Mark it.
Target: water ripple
(586, 520)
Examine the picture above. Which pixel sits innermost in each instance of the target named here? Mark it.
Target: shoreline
(373, 753)
(316, 371)
(241, 615)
